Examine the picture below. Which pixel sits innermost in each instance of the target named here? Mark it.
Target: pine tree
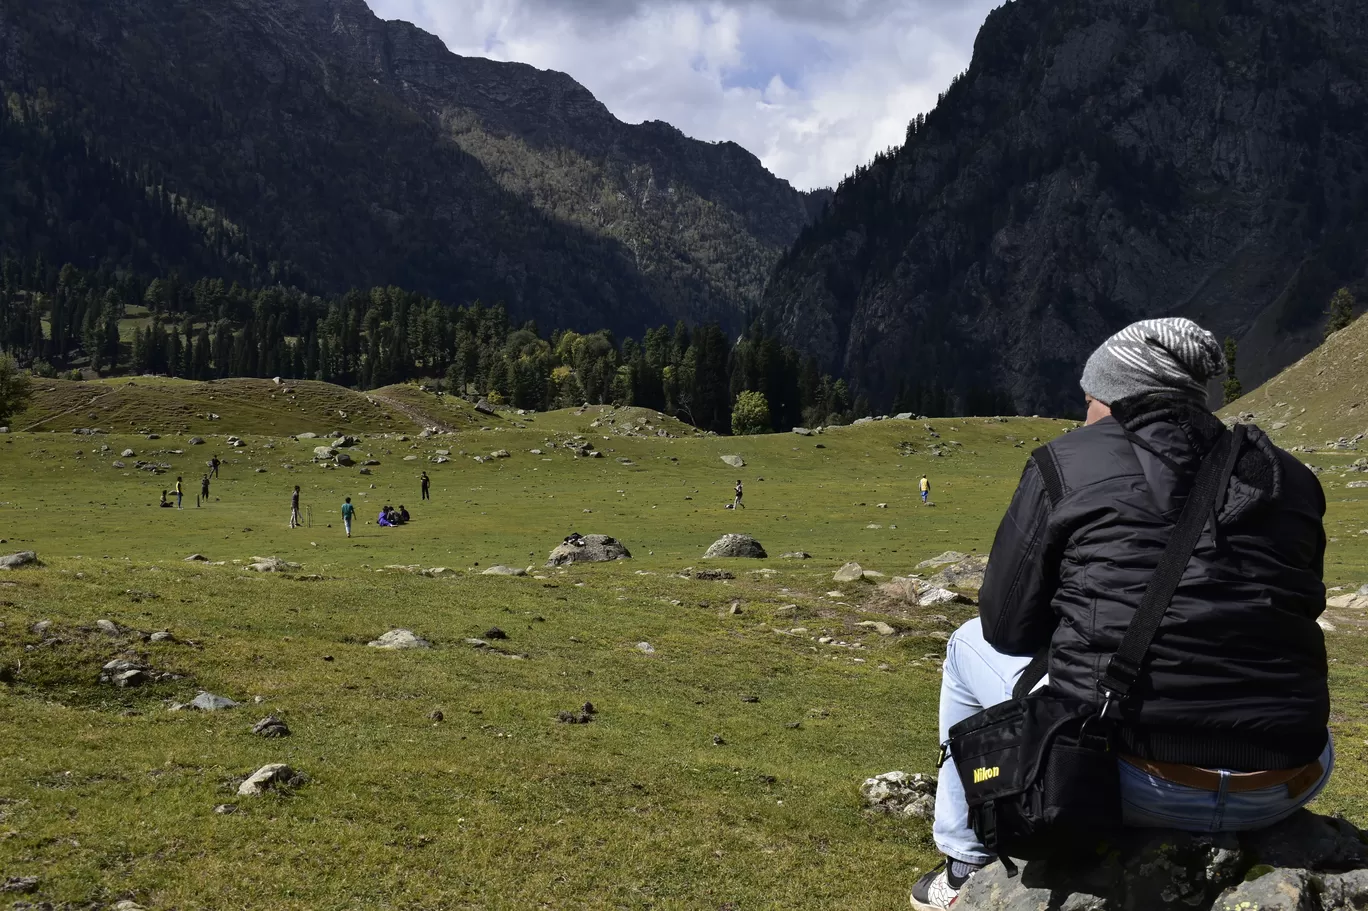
(1341, 311)
(1233, 388)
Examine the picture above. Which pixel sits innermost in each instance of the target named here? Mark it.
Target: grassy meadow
(679, 795)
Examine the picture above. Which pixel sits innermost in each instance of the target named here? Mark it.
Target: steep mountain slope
(308, 141)
(1321, 399)
(1100, 161)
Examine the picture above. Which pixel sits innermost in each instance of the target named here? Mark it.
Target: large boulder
(15, 561)
(736, 547)
(323, 453)
(735, 461)
(902, 592)
(593, 549)
(1308, 863)
(851, 572)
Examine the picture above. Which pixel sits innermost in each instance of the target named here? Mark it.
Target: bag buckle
(944, 756)
(1108, 705)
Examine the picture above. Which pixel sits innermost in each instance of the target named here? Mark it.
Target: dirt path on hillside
(422, 419)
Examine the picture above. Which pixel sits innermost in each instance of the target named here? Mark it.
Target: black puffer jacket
(1237, 675)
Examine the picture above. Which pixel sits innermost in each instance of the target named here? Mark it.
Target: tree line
(64, 321)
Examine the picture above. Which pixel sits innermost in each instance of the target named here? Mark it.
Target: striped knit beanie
(1155, 355)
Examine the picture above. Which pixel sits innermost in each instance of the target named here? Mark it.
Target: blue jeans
(976, 677)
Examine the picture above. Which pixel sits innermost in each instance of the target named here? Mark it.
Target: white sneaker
(933, 891)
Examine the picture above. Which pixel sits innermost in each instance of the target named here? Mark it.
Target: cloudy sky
(814, 87)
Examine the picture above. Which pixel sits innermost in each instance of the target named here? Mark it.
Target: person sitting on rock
(575, 539)
(1227, 729)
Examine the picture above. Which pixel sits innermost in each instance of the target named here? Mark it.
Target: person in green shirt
(348, 512)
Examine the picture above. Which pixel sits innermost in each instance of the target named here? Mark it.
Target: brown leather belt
(1298, 781)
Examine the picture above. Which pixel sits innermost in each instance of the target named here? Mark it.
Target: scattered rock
(208, 702)
(197, 558)
(196, 441)
(437, 716)
(323, 453)
(271, 565)
(161, 636)
(904, 592)
(707, 575)
(574, 717)
(645, 648)
(964, 574)
(226, 809)
(950, 556)
(271, 726)
(485, 408)
(127, 454)
(496, 634)
(796, 555)
(108, 627)
(41, 627)
(736, 546)
(19, 885)
(277, 776)
(1308, 863)
(15, 561)
(734, 461)
(851, 572)
(878, 626)
(594, 549)
(901, 794)
(504, 571)
(750, 700)
(501, 454)
(399, 639)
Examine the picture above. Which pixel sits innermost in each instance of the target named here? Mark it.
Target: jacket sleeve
(1023, 573)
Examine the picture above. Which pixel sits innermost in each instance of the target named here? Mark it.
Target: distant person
(925, 490)
(165, 503)
(204, 489)
(403, 515)
(294, 508)
(348, 513)
(574, 539)
(740, 492)
(214, 467)
(180, 494)
(427, 484)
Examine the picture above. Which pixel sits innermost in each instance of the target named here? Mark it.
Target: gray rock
(306, 436)
(735, 461)
(484, 407)
(272, 565)
(504, 571)
(277, 776)
(41, 627)
(15, 561)
(130, 678)
(501, 454)
(400, 639)
(344, 442)
(197, 558)
(645, 648)
(19, 885)
(945, 559)
(595, 549)
(344, 460)
(208, 702)
(802, 431)
(736, 547)
(901, 794)
(119, 465)
(271, 726)
(796, 555)
(323, 453)
(966, 574)
(162, 636)
(196, 441)
(127, 454)
(851, 572)
(108, 627)
(708, 575)
(1308, 863)
(878, 626)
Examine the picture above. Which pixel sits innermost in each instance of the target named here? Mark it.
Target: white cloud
(813, 87)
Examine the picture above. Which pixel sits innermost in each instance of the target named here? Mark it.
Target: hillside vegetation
(1321, 399)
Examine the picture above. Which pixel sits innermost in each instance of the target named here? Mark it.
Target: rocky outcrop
(1309, 863)
(400, 640)
(19, 560)
(590, 549)
(1099, 162)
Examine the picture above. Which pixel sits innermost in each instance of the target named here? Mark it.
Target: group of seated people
(393, 518)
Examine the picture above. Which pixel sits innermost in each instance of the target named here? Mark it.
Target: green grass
(104, 794)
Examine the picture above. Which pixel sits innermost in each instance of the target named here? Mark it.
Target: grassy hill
(685, 792)
(1320, 399)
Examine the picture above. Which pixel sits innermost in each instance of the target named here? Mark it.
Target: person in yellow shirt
(179, 494)
(925, 490)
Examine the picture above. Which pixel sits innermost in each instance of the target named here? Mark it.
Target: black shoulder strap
(1124, 669)
(1045, 463)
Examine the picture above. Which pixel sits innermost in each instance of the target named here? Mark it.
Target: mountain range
(1101, 161)
(308, 142)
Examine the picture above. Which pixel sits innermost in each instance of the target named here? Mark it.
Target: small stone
(436, 715)
(496, 633)
(718, 741)
(109, 628)
(851, 572)
(208, 702)
(645, 648)
(270, 777)
(226, 809)
(271, 726)
(197, 558)
(878, 626)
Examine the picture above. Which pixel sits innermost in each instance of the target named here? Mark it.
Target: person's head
(296, 488)
(348, 499)
(1175, 358)
(178, 477)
